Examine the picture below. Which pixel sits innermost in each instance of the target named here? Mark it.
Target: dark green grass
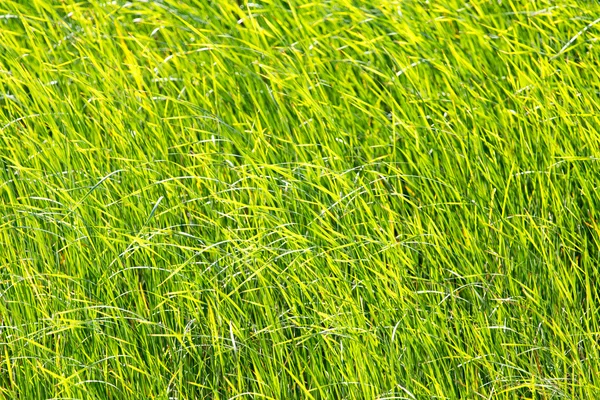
(296, 200)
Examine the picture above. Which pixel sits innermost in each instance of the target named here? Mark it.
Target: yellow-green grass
(345, 199)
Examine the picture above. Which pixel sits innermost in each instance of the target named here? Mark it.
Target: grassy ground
(390, 199)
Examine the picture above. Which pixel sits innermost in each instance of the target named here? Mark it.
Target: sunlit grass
(299, 200)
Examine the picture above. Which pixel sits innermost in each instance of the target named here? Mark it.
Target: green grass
(345, 199)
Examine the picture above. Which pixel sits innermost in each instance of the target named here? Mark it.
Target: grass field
(344, 199)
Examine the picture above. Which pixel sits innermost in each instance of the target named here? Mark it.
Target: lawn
(340, 199)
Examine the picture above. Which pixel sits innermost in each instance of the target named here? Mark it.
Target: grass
(383, 199)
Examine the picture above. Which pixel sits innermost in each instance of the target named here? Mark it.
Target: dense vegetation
(358, 199)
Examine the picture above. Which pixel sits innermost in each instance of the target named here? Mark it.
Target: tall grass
(383, 199)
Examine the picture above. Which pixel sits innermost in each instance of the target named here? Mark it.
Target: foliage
(299, 199)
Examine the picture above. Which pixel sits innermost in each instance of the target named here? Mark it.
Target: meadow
(302, 199)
